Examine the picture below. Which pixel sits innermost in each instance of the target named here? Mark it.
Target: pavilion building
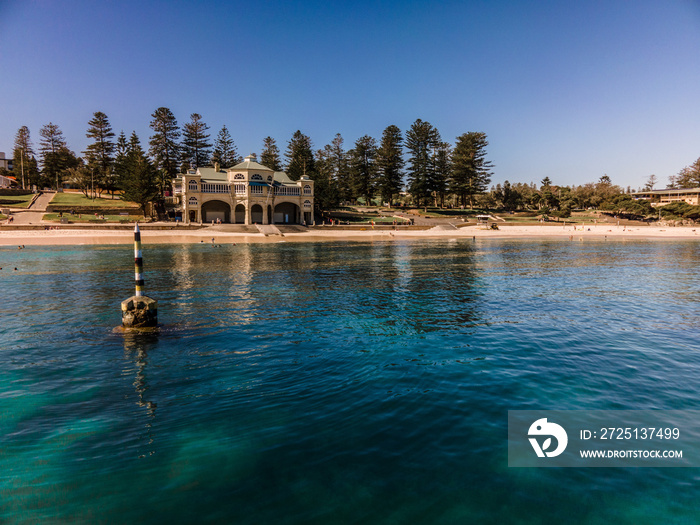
(247, 193)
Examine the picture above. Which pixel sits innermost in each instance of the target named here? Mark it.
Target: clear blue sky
(566, 89)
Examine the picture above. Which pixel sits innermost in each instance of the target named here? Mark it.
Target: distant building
(664, 197)
(247, 193)
(5, 163)
(7, 182)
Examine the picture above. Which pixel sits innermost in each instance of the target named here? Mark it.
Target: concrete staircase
(269, 229)
(234, 228)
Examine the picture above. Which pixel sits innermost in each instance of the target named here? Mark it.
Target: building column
(248, 220)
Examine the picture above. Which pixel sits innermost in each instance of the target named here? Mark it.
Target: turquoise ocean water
(368, 383)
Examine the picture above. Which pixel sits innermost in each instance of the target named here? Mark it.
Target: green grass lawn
(569, 220)
(90, 218)
(438, 213)
(377, 220)
(355, 217)
(2, 217)
(357, 220)
(447, 214)
(588, 217)
(18, 201)
(78, 199)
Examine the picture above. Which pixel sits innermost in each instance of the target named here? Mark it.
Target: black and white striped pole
(138, 262)
(139, 311)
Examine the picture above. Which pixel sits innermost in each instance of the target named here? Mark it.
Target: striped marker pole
(139, 311)
(138, 261)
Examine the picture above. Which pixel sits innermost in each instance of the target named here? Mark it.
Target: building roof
(7, 180)
(282, 178)
(674, 191)
(213, 175)
(250, 163)
(210, 174)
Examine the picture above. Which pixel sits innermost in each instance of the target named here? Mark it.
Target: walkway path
(35, 212)
(42, 202)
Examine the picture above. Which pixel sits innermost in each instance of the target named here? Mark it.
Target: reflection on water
(382, 288)
(136, 346)
(336, 382)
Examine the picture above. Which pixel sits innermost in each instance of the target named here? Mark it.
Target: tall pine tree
(165, 146)
(333, 181)
(196, 148)
(300, 157)
(225, 153)
(139, 176)
(55, 156)
(24, 163)
(363, 168)
(325, 187)
(689, 177)
(51, 142)
(471, 172)
(442, 171)
(341, 168)
(390, 164)
(100, 153)
(121, 150)
(270, 156)
(421, 139)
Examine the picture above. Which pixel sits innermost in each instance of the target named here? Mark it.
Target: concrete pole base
(139, 312)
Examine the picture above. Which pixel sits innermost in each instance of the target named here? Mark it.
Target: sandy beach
(566, 233)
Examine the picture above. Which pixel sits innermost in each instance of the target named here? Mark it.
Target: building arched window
(239, 176)
(193, 201)
(269, 178)
(307, 204)
(256, 177)
(192, 186)
(307, 189)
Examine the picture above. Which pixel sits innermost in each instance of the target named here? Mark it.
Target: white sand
(94, 236)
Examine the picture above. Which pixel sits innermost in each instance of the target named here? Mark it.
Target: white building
(248, 193)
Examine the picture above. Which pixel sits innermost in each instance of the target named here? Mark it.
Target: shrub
(680, 210)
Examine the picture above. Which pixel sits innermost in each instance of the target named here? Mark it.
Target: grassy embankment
(15, 201)
(520, 217)
(383, 215)
(78, 199)
(99, 219)
(354, 216)
(99, 209)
